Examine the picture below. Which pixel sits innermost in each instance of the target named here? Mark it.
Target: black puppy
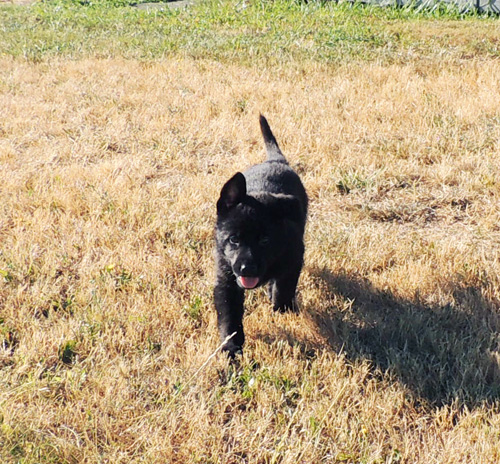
(261, 215)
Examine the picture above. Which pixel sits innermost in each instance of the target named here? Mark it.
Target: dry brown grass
(110, 170)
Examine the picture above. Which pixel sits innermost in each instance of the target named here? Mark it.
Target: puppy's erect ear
(233, 192)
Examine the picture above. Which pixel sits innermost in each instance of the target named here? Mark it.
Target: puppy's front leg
(284, 293)
(284, 288)
(229, 305)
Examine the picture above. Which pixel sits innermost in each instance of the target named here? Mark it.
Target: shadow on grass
(441, 353)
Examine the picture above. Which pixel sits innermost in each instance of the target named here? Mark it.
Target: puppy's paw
(232, 350)
(287, 307)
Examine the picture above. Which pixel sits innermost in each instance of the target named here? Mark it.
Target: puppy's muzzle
(247, 276)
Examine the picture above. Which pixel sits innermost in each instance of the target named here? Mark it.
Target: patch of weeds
(93, 329)
(56, 207)
(194, 244)
(178, 386)
(243, 381)
(314, 425)
(488, 180)
(65, 305)
(246, 382)
(240, 106)
(120, 277)
(17, 451)
(153, 346)
(6, 275)
(347, 457)
(108, 204)
(288, 389)
(193, 310)
(123, 278)
(109, 268)
(354, 181)
(8, 338)
(67, 352)
(395, 456)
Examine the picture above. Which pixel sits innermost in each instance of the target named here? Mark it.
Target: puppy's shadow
(440, 353)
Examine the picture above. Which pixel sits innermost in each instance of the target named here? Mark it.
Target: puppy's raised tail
(272, 148)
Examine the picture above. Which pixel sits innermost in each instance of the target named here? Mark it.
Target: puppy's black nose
(248, 270)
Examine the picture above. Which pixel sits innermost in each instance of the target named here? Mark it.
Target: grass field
(118, 128)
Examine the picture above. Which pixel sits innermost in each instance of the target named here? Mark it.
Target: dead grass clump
(110, 171)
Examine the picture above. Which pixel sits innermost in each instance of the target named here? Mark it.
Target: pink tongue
(249, 282)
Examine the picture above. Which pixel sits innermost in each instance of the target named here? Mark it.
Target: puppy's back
(274, 175)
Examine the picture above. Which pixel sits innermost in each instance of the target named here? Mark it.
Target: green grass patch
(244, 32)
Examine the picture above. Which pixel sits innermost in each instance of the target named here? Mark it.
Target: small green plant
(8, 339)
(153, 345)
(241, 106)
(245, 381)
(193, 309)
(353, 180)
(64, 304)
(6, 275)
(121, 277)
(67, 352)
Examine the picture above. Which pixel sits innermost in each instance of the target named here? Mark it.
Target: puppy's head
(251, 230)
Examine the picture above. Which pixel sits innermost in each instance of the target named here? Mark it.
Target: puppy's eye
(234, 240)
(264, 240)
